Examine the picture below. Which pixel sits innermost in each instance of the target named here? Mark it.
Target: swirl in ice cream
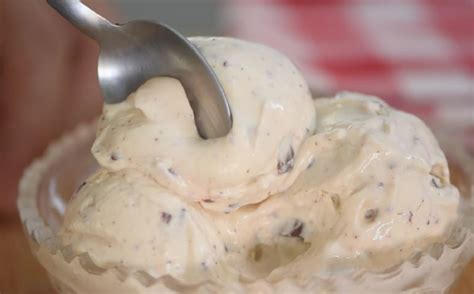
(299, 190)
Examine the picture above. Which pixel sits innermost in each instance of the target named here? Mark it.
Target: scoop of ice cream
(154, 130)
(127, 222)
(375, 191)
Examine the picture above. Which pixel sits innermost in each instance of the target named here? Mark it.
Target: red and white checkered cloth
(418, 55)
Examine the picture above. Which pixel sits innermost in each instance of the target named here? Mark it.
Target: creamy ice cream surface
(299, 192)
(272, 115)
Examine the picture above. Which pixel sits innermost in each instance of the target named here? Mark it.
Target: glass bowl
(52, 179)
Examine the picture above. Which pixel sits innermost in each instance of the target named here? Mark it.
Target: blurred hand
(48, 83)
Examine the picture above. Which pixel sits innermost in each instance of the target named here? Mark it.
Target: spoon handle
(83, 18)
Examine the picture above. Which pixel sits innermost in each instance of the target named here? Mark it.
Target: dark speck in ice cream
(81, 186)
(371, 214)
(296, 229)
(114, 156)
(166, 217)
(311, 163)
(286, 164)
(204, 265)
(435, 183)
(410, 216)
(336, 201)
(172, 172)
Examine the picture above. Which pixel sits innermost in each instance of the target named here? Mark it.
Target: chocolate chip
(286, 164)
(114, 156)
(296, 229)
(435, 182)
(166, 217)
(439, 176)
(81, 186)
(208, 200)
(172, 171)
(410, 216)
(371, 214)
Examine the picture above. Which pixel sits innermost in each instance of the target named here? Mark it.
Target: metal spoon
(136, 51)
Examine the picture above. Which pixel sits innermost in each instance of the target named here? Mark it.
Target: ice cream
(375, 190)
(299, 192)
(272, 115)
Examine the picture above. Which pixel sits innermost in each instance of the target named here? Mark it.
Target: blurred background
(418, 55)
(190, 17)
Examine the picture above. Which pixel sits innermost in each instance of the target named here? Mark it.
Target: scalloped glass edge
(40, 235)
